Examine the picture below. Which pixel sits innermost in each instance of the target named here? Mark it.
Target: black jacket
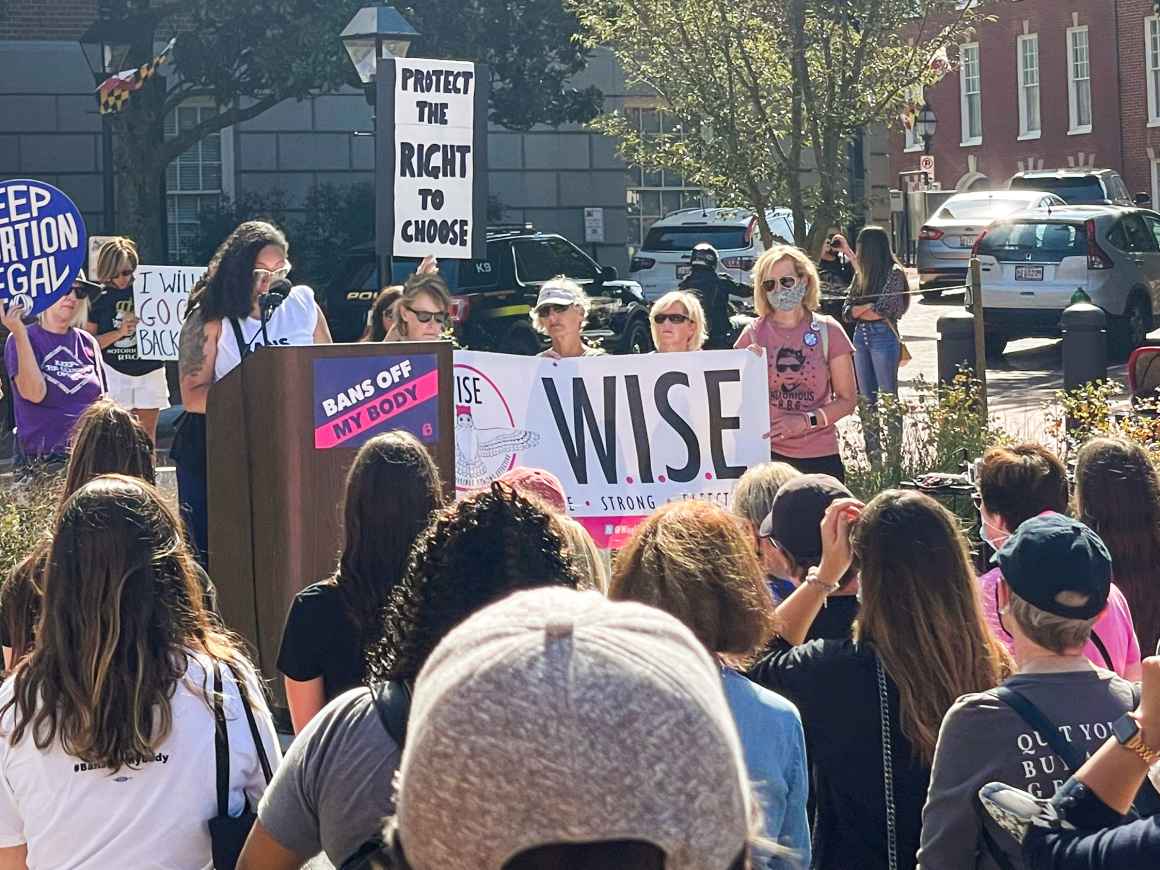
(713, 291)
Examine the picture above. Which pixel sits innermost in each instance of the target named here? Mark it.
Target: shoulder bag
(904, 355)
(228, 833)
(887, 767)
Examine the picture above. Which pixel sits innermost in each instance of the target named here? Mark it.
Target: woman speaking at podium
(232, 311)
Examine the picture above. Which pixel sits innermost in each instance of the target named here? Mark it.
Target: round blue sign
(42, 243)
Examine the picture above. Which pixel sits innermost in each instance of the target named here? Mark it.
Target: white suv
(663, 259)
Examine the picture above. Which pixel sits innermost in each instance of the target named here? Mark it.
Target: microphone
(269, 301)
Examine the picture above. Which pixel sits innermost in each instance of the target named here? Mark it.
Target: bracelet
(813, 579)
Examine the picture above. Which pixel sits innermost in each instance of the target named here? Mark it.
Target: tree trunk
(797, 132)
(138, 140)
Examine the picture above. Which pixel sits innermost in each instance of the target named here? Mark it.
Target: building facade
(547, 176)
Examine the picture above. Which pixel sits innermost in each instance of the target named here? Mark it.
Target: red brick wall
(47, 19)
(1138, 136)
(1000, 154)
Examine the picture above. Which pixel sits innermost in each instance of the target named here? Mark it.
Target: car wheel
(1127, 333)
(637, 339)
(522, 341)
(995, 343)
(931, 295)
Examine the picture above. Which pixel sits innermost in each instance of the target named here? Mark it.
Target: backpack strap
(1099, 644)
(1032, 715)
(244, 349)
(221, 745)
(822, 328)
(393, 704)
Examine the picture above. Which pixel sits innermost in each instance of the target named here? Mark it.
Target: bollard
(1085, 345)
(956, 344)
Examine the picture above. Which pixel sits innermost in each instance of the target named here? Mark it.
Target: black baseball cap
(1052, 553)
(795, 517)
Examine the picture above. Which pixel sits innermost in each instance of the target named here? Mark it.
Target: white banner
(434, 158)
(160, 297)
(625, 434)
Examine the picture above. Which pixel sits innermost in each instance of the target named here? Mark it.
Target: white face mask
(995, 537)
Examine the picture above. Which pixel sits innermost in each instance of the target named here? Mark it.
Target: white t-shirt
(292, 323)
(152, 818)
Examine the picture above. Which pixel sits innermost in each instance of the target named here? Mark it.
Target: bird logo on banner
(115, 90)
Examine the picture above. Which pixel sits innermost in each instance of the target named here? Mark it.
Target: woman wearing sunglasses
(678, 323)
(420, 313)
(810, 359)
(560, 312)
(222, 327)
(56, 373)
(135, 384)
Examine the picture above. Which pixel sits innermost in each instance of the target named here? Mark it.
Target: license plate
(682, 271)
(966, 241)
(1028, 273)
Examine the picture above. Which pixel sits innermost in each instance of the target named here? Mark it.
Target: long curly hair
(1117, 493)
(122, 605)
(921, 612)
(474, 553)
(227, 287)
(391, 491)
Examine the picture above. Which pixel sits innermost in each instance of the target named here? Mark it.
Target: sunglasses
(550, 308)
(785, 282)
(439, 317)
(273, 275)
(977, 500)
(671, 318)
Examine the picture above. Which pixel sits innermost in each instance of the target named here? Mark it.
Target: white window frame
(227, 190)
(1026, 132)
(911, 140)
(1074, 128)
(964, 111)
(1152, 68)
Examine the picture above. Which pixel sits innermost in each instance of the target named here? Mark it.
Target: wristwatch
(812, 419)
(1127, 731)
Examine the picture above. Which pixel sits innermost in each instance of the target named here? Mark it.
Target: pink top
(799, 377)
(1114, 628)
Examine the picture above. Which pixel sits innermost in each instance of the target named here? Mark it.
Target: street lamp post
(376, 33)
(105, 46)
(925, 125)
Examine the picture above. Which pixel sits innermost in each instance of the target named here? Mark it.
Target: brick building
(1048, 84)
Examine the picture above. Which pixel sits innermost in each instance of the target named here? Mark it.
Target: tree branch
(185, 140)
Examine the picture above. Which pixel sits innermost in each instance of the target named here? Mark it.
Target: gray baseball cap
(557, 716)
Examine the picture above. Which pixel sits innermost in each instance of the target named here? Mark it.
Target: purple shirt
(73, 378)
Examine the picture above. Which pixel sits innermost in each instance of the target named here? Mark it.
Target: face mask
(996, 537)
(787, 300)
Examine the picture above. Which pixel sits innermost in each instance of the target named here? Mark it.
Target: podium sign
(283, 429)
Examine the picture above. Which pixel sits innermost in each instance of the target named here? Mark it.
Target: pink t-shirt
(1114, 628)
(799, 376)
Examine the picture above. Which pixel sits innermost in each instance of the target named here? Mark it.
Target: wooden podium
(283, 429)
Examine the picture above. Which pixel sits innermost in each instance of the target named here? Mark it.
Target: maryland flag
(115, 90)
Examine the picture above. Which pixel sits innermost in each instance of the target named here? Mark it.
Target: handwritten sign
(160, 297)
(434, 158)
(42, 243)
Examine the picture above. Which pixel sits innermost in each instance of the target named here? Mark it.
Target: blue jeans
(876, 354)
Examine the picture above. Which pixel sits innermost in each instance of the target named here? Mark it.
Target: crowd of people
(805, 680)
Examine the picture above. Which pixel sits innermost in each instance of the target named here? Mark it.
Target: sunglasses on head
(785, 282)
(671, 318)
(439, 317)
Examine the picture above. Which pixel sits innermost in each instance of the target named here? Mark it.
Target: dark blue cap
(1050, 554)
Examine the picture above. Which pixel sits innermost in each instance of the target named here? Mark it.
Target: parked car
(493, 298)
(1032, 263)
(1080, 186)
(946, 239)
(663, 259)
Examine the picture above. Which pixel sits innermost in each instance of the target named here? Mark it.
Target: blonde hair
(116, 254)
(803, 266)
(1056, 633)
(572, 287)
(586, 556)
(755, 491)
(693, 310)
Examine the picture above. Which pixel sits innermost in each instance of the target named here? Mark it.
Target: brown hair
(694, 561)
(116, 254)
(921, 612)
(384, 304)
(392, 490)
(430, 284)
(1021, 482)
(122, 605)
(874, 260)
(1117, 493)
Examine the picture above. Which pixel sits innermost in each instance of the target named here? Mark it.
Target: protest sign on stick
(42, 243)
